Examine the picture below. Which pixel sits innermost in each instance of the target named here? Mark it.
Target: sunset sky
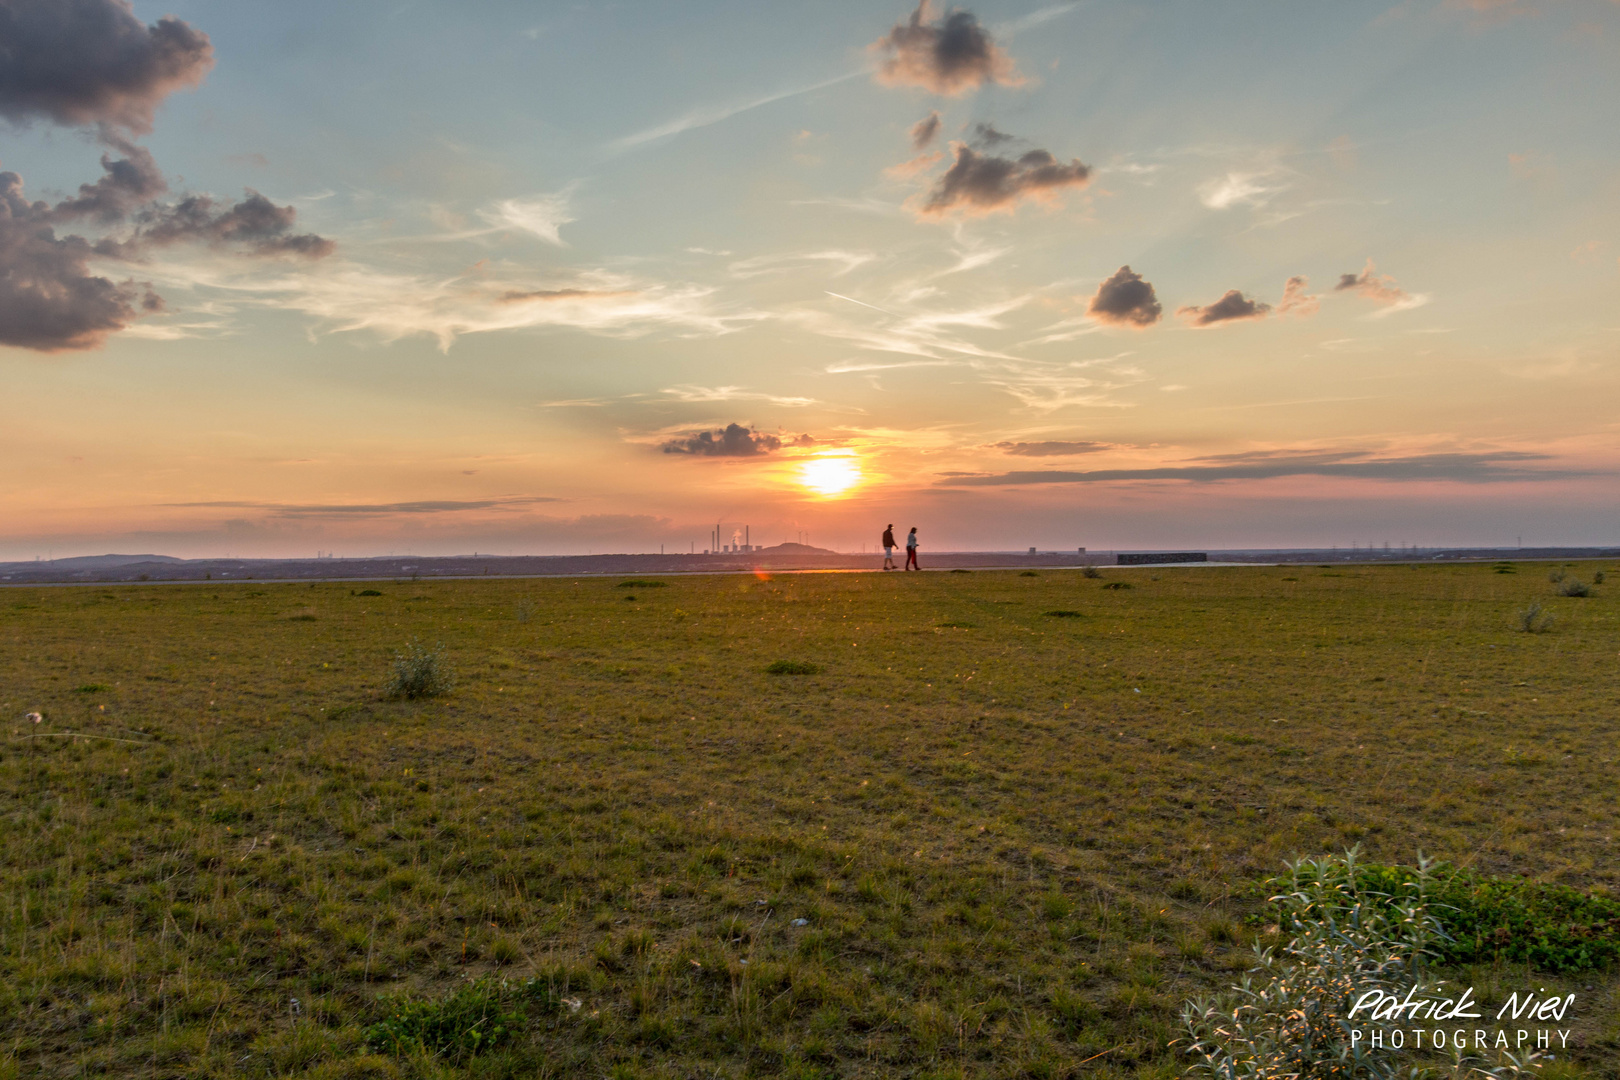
(279, 278)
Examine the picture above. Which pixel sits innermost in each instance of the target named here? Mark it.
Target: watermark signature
(1528, 1008)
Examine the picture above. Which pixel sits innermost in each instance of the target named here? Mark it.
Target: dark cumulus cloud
(1499, 466)
(1126, 300)
(948, 56)
(50, 300)
(925, 130)
(986, 136)
(92, 63)
(255, 225)
(1050, 448)
(1233, 307)
(978, 183)
(129, 182)
(733, 440)
(80, 62)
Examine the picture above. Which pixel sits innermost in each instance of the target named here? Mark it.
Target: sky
(533, 278)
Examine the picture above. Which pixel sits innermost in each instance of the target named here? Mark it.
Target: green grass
(1017, 843)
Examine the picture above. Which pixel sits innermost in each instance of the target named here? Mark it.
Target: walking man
(911, 551)
(888, 548)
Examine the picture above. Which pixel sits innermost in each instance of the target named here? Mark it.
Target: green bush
(467, 1021)
(1553, 928)
(640, 583)
(1091, 572)
(1065, 613)
(419, 672)
(1117, 585)
(1573, 587)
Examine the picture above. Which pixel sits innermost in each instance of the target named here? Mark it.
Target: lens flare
(830, 477)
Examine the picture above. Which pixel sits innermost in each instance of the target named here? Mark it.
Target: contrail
(863, 303)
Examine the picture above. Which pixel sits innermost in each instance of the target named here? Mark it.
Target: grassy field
(1005, 828)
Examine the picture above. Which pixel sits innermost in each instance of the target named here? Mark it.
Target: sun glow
(830, 477)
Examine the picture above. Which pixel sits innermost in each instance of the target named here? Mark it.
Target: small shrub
(419, 672)
(468, 1021)
(1117, 585)
(1091, 572)
(368, 592)
(301, 615)
(793, 667)
(1555, 576)
(1597, 578)
(957, 626)
(959, 570)
(1573, 587)
(525, 610)
(1064, 613)
(638, 583)
(1029, 573)
(92, 688)
(1532, 620)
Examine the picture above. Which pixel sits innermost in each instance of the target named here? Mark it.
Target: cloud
(523, 296)
(733, 440)
(429, 506)
(979, 184)
(1296, 300)
(1232, 307)
(734, 393)
(1500, 466)
(925, 130)
(1125, 300)
(538, 215)
(255, 225)
(49, 299)
(949, 57)
(1381, 289)
(1227, 191)
(79, 62)
(130, 182)
(773, 264)
(986, 135)
(1049, 449)
(346, 296)
(703, 117)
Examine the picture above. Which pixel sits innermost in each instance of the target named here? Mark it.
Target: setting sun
(830, 477)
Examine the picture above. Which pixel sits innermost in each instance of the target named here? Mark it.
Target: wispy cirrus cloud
(348, 297)
(347, 510)
(703, 116)
(733, 393)
(1240, 189)
(1496, 466)
(843, 261)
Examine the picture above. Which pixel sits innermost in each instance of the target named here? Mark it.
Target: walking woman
(911, 551)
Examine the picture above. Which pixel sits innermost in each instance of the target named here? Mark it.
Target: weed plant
(1533, 620)
(1574, 587)
(419, 672)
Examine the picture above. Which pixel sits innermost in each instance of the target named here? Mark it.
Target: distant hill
(790, 548)
(105, 562)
